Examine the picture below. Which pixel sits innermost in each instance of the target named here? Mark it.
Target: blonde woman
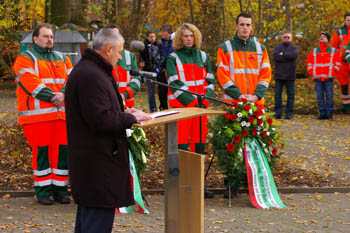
(189, 68)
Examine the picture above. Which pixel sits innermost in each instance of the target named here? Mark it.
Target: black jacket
(96, 124)
(152, 57)
(285, 64)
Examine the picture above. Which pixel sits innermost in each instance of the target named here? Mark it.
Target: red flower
(244, 133)
(264, 134)
(274, 152)
(269, 121)
(260, 106)
(253, 132)
(236, 106)
(227, 116)
(260, 121)
(257, 113)
(247, 108)
(251, 119)
(270, 142)
(233, 117)
(230, 147)
(244, 100)
(237, 139)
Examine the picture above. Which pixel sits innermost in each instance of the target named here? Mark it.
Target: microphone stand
(200, 98)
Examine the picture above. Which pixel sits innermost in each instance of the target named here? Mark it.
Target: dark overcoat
(96, 123)
(285, 63)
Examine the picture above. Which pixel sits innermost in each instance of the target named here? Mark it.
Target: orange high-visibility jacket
(243, 68)
(39, 72)
(127, 85)
(340, 40)
(323, 62)
(189, 69)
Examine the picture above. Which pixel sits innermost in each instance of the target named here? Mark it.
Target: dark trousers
(278, 96)
(163, 92)
(151, 98)
(94, 220)
(325, 105)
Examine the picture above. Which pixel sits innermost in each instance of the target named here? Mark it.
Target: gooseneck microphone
(143, 73)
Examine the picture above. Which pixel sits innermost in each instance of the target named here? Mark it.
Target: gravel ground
(306, 213)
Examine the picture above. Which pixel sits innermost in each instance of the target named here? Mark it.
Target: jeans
(278, 96)
(325, 106)
(151, 99)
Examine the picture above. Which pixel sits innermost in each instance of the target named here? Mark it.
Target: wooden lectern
(184, 176)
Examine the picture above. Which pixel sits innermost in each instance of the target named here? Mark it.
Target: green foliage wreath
(228, 133)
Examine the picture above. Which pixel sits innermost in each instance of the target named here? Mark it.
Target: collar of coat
(240, 41)
(323, 47)
(188, 50)
(98, 59)
(41, 50)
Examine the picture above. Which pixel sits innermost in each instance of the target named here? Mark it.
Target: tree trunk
(191, 11)
(286, 4)
(240, 5)
(75, 11)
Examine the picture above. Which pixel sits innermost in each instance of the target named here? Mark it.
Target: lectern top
(183, 113)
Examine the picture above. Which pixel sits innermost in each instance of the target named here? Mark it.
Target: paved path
(306, 213)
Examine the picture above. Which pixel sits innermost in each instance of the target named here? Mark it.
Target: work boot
(208, 194)
(62, 198)
(44, 200)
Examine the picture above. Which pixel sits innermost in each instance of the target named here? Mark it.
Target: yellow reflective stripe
(38, 89)
(40, 111)
(43, 183)
(42, 172)
(60, 183)
(62, 172)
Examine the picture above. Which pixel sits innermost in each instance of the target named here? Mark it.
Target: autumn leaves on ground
(313, 153)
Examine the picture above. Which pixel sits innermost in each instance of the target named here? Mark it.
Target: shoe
(208, 194)
(322, 117)
(277, 117)
(288, 117)
(45, 200)
(63, 199)
(330, 117)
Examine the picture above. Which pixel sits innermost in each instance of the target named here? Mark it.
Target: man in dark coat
(285, 56)
(96, 123)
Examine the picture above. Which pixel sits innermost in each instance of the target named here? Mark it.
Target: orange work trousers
(48, 141)
(188, 133)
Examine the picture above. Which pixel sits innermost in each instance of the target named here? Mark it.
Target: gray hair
(106, 36)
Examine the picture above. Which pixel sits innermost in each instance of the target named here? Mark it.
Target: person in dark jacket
(166, 48)
(153, 61)
(96, 122)
(285, 56)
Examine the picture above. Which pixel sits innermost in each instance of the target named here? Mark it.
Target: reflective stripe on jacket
(340, 39)
(39, 73)
(243, 68)
(347, 54)
(323, 62)
(127, 85)
(189, 69)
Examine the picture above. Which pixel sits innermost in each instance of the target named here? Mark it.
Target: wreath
(228, 133)
(137, 140)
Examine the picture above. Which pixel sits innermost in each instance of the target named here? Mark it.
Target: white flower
(129, 132)
(240, 103)
(263, 111)
(239, 114)
(273, 129)
(268, 133)
(259, 117)
(243, 123)
(144, 159)
(247, 124)
(258, 133)
(266, 151)
(250, 111)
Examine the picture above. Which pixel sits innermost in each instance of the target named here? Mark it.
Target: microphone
(143, 73)
(137, 45)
